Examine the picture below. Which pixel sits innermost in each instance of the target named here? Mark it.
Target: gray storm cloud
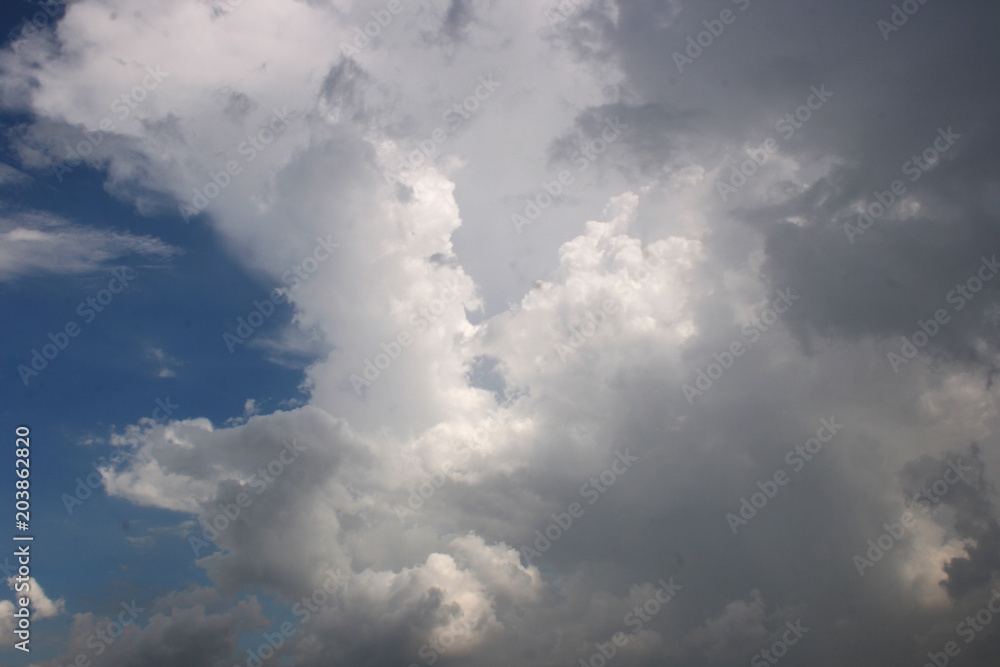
(636, 278)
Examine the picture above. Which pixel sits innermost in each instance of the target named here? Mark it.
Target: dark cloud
(778, 441)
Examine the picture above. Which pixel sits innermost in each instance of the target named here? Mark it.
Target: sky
(477, 333)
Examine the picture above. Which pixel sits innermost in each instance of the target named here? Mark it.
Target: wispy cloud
(34, 243)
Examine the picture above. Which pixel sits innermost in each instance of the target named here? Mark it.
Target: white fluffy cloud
(41, 607)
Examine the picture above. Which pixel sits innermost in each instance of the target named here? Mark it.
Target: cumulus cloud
(444, 432)
(189, 633)
(40, 604)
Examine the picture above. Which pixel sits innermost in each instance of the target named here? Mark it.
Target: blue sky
(107, 377)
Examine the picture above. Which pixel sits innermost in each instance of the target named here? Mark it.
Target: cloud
(41, 607)
(164, 361)
(34, 243)
(188, 631)
(637, 280)
(11, 176)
